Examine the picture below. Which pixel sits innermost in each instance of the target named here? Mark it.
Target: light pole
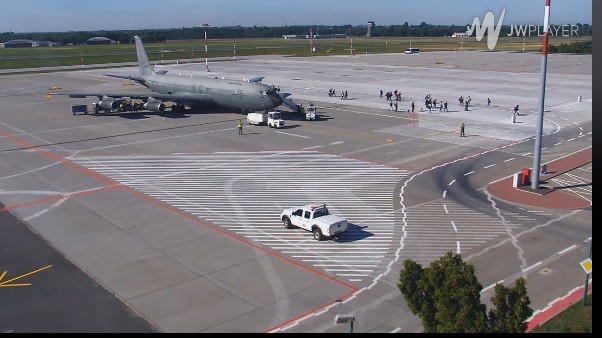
(542, 96)
(587, 266)
(206, 52)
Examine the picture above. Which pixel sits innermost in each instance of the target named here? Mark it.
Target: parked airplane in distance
(245, 95)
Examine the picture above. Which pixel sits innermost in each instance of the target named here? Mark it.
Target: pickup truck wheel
(287, 223)
(318, 234)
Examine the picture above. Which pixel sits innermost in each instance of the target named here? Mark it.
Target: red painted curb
(557, 308)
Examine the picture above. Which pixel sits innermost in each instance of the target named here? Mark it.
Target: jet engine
(154, 105)
(108, 103)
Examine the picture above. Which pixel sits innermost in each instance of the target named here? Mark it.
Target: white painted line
(469, 173)
(557, 144)
(571, 139)
(452, 182)
(567, 249)
(544, 148)
(349, 299)
(489, 166)
(314, 147)
(396, 330)
(458, 247)
(532, 266)
(445, 208)
(337, 142)
(444, 192)
(454, 225)
(526, 154)
(508, 160)
(289, 326)
(281, 132)
(492, 285)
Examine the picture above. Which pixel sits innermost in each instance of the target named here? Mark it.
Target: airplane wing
(182, 98)
(128, 77)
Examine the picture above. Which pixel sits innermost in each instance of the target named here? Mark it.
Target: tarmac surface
(173, 218)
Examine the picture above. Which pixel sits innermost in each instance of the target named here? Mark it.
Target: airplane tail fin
(143, 62)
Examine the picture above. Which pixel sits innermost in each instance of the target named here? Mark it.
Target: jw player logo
(493, 30)
(493, 33)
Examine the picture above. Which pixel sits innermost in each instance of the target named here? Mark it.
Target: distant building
(100, 40)
(20, 44)
(460, 35)
(47, 44)
(293, 36)
(330, 36)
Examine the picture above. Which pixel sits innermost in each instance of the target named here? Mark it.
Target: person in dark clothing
(413, 106)
(516, 111)
(462, 130)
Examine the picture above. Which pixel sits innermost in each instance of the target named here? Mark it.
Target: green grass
(194, 49)
(575, 319)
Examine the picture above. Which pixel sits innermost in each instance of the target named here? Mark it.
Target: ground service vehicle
(310, 111)
(275, 119)
(314, 218)
(257, 118)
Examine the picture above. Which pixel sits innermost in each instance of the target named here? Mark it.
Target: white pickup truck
(314, 218)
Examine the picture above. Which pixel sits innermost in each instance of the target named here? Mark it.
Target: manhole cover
(546, 271)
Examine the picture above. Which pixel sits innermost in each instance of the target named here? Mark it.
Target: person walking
(413, 106)
(390, 105)
(445, 107)
(381, 93)
(239, 127)
(462, 130)
(516, 111)
(488, 102)
(395, 106)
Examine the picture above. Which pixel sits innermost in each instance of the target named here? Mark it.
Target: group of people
(389, 95)
(333, 93)
(431, 103)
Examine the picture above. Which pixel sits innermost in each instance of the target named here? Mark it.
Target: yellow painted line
(5, 283)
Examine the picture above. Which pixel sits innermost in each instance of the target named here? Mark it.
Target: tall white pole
(542, 96)
(206, 51)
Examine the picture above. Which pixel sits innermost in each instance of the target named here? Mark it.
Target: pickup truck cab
(315, 218)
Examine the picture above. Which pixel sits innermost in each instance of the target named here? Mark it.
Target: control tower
(370, 26)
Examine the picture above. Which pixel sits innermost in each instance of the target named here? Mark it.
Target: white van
(412, 50)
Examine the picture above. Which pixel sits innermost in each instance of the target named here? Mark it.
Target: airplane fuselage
(222, 92)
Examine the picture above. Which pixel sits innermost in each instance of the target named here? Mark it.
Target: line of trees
(239, 32)
(447, 297)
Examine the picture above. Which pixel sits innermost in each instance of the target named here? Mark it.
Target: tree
(511, 308)
(446, 295)
(447, 298)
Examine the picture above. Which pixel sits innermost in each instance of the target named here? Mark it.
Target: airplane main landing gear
(178, 108)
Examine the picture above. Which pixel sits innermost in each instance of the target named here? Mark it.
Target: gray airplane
(245, 95)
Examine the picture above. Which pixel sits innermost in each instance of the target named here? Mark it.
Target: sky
(21, 16)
